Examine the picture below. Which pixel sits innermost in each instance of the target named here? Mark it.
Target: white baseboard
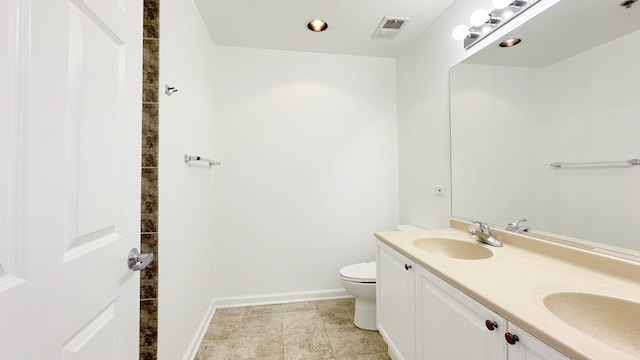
(393, 352)
(253, 300)
(192, 350)
(282, 298)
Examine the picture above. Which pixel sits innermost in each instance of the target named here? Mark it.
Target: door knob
(137, 261)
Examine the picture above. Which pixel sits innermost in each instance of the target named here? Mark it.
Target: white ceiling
(282, 24)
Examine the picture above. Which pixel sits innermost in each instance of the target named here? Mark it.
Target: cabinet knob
(511, 339)
(491, 325)
(407, 266)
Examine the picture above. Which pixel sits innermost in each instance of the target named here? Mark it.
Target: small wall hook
(169, 90)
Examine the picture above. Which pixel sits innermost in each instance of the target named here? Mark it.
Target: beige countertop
(516, 279)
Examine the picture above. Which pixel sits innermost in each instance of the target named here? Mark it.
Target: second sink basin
(456, 249)
(612, 321)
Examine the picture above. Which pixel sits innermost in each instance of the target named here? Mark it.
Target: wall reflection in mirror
(569, 92)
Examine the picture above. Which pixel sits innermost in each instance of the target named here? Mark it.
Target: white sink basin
(456, 249)
(613, 321)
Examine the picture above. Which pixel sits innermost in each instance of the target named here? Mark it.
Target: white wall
(308, 144)
(187, 194)
(423, 118)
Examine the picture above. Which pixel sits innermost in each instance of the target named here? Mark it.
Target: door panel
(95, 66)
(453, 324)
(94, 341)
(396, 302)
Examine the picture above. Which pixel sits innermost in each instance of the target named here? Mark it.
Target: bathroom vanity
(558, 146)
(530, 299)
(545, 130)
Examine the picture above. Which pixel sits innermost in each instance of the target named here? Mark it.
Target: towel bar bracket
(190, 158)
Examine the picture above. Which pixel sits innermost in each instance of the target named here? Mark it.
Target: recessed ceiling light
(510, 42)
(317, 25)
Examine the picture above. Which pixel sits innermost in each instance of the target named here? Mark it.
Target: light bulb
(479, 17)
(507, 14)
(501, 4)
(460, 32)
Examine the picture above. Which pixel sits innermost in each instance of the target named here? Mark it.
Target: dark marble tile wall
(149, 200)
(148, 329)
(149, 277)
(149, 135)
(149, 175)
(150, 71)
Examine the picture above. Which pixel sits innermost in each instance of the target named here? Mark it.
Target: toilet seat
(361, 273)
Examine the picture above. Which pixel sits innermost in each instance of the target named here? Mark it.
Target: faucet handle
(515, 226)
(484, 227)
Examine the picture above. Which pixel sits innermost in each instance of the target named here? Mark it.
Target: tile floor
(318, 330)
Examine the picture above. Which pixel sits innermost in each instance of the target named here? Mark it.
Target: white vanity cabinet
(422, 317)
(527, 347)
(454, 326)
(395, 302)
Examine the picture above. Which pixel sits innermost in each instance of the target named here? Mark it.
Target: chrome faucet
(515, 226)
(483, 234)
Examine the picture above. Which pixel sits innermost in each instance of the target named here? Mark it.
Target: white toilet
(360, 281)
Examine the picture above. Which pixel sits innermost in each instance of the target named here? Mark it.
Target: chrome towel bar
(189, 158)
(597, 163)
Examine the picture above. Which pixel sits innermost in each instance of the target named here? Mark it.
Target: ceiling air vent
(389, 28)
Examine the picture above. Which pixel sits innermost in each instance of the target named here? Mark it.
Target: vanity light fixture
(501, 4)
(484, 22)
(461, 32)
(482, 16)
(510, 42)
(479, 17)
(507, 13)
(317, 25)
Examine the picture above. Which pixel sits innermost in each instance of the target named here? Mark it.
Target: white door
(70, 93)
(396, 302)
(454, 326)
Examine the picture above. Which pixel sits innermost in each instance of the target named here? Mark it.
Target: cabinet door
(530, 348)
(453, 326)
(395, 304)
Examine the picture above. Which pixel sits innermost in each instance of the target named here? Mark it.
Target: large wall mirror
(569, 93)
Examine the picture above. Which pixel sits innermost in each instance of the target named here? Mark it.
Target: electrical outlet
(440, 190)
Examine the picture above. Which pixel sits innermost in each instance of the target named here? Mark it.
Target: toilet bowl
(360, 281)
